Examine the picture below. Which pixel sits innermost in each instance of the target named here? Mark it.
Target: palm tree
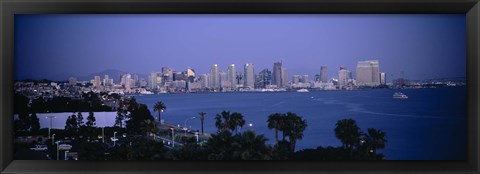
(275, 122)
(236, 120)
(251, 147)
(222, 121)
(202, 118)
(159, 107)
(376, 138)
(348, 132)
(295, 126)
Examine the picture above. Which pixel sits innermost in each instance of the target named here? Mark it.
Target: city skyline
(420, 46)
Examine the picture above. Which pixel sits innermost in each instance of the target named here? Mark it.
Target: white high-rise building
(232, 75)
(152, 80)
(368, 73)
(214, 76)
(383, 80)
(284, 77)
(343, 77)
(249, 76)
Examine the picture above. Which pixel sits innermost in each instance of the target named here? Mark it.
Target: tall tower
(284, 77)
(277, 74)
(214, 76)
(232, 75)
(368, 73)
(249, 75)
(343, 77)
(323, 74)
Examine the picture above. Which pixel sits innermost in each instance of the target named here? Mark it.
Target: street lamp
(57, 148)
(185, 125)
(53, 138)
(161, 111)
(173, 137)
(66, 154)
(103, 134)
(196, 135)
(114, 139)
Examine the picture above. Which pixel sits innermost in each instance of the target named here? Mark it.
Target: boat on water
(302, 90)
(399, 95)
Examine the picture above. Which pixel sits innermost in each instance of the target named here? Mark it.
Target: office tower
(284, 77)
(295, 79)
(277, 74)
(167, 74)
(72, 80)
(232, 75)
(135, 81)
(107, 81)
(368, 73)
(305, 79)
(204, 81)
(127, 81)
(240, 78)
(190, 73)
(263, 79)
(177, 76)
(343, 77)
(383, 80)
(96, 82)
(152, 80)
(214, 76)
(323, 74)
(224, 83)
(249, 75)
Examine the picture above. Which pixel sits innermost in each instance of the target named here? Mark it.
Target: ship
(399, 95)
(302, 90)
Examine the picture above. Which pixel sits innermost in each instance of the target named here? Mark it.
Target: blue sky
(420, 45)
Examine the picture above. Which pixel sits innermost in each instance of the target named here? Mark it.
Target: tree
(159, 107)
(222, 121)
(34, 123)
(236, 120)
(91, 121)
(347, 131)
(294, 128)
(376, 139)
(79, 119)
(275, 122)
(148, 126)
(226, 121)
(251, 147)
(202, 118)
(138, 115)
(71, 126)
(121, 115)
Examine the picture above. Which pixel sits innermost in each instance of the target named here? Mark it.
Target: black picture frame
(8, 8)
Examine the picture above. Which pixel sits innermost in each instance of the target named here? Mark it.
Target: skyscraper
(214, 76)
(323, 74)
(277, 74)
(284, 77)
(383, 80)
(249, 75)
(343, 77)
(264, 78)
(305, 79)
(96, 83)
(167, 74)
(152, 80)
(232, 75)
(368, 73)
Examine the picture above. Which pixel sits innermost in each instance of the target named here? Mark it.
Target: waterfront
(430, 125)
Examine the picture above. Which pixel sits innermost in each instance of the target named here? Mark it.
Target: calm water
(430, 125)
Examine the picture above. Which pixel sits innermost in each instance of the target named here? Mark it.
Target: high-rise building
(249, 75)
(263, 79)
(295, 79)
(96, 83)
(190, 73)
(343, 77)
(204, 81)
(323, 74)
(232, 75)
(224, 83)
(383, 80)
(135, 81)
(277, 74)
(214, 76)
(152, 80)
(240, 78)
(167, 74)
(305, 79)
(284, 77)
(368, 73)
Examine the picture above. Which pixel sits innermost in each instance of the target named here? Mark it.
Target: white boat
(399, 95)
(302, 90)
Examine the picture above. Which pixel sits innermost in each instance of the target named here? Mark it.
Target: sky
(422, 46)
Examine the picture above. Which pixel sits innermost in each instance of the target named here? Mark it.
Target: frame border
(8, 8)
